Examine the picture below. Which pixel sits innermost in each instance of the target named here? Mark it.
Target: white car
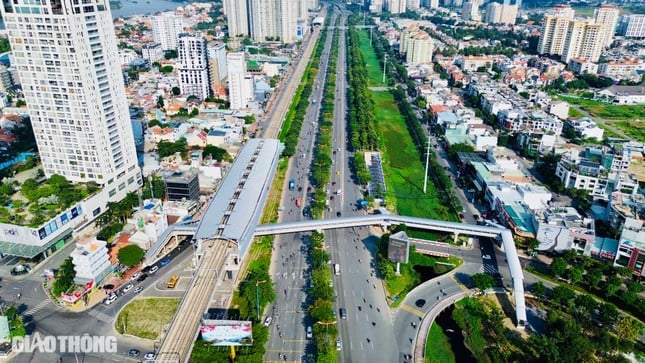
(310, 333)
(339, 345)
(128, 288)
(110, 299)
(150, 356)
(154, 269)
(268, 321)
(138, 289)
(135, 276)
(486, 257)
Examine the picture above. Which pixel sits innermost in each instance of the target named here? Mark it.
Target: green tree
(166, 70)
(130, 255)
(482, 281)
(217, 153)
(575, 274)
(176, 90)
(594, 276)
(628, 330)
(539, 289)
(64, 277)
(160, 102)
(558, 266)
(613, 284)
(166, 148)
(562, 295)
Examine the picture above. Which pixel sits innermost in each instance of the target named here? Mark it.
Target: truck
(298, 202)
(362, 203)
(292, 184)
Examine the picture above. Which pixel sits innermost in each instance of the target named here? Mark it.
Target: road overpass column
(455, 238)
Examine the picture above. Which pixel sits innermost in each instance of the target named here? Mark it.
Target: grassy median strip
(146, 318)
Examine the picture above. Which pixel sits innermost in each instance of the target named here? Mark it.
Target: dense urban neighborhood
(322, 181)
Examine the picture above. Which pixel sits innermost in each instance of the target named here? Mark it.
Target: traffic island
(146, 318)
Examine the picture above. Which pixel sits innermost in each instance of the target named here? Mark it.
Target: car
(128, 288)
(138, 289)
(419, 303)
(299, 189)
(268, 320)
(343, 313)
(133, 353)
(135, 276)
(110, 299)
(142, 277)
(461, 216)
(146, 269)
(310, 332)
(339, 345)
(108, 287)
(20, 269)
(150, 356)
(164, 262)
(337, 173)
(337, 214)
(154, 269)
(486, 257)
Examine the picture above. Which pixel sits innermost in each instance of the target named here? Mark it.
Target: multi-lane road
(287, 339)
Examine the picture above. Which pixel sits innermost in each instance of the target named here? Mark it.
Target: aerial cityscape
(322, 181)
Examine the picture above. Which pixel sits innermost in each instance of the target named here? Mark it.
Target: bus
(336, 269)
(172, 282)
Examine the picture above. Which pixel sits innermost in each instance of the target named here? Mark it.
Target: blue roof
(217, 132)
(448, 117)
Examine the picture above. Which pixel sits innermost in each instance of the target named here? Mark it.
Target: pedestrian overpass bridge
(228, 225)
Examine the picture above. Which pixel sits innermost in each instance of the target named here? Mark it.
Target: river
(455, 337)
(142, 7)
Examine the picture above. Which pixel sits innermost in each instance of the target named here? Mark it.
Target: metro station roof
(237, 206)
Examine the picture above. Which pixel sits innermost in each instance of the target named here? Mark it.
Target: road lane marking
(284, 351)
(412, 310)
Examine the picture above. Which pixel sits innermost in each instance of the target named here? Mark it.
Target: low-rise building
(91, 261)
(560, 229)
(625, 95)
(586, 128)
(580, 66)
(625, 69)
(181, 186)
(631, 246)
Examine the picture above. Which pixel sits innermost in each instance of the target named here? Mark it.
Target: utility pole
(425, 180)
(384, 63)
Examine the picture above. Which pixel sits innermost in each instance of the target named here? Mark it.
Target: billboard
(227, 332)
(398, 248)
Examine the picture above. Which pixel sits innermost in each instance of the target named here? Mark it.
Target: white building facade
(240, 90)
(74, 91)
(165, 28)
(193, 66)
(91, 261)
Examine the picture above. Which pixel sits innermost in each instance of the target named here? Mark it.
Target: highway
(289, 259)
(366, 335)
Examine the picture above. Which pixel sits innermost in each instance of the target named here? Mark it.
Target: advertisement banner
(227, 332)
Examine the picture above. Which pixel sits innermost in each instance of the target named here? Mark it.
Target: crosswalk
(488, 269)
(38, 307)
(100, 315)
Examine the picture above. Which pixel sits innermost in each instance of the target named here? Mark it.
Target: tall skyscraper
(165, 28)
(193, 66)
(571, 38)
(395, 6)
(376, 6)
(554, 34)
(240, 84)
(470, 10)
(237, 15)
(217, 70)
(632, 26)
(607, 16)
(67, 59)
(497, 13)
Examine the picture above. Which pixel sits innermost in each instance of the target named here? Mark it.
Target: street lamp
(257, 296)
